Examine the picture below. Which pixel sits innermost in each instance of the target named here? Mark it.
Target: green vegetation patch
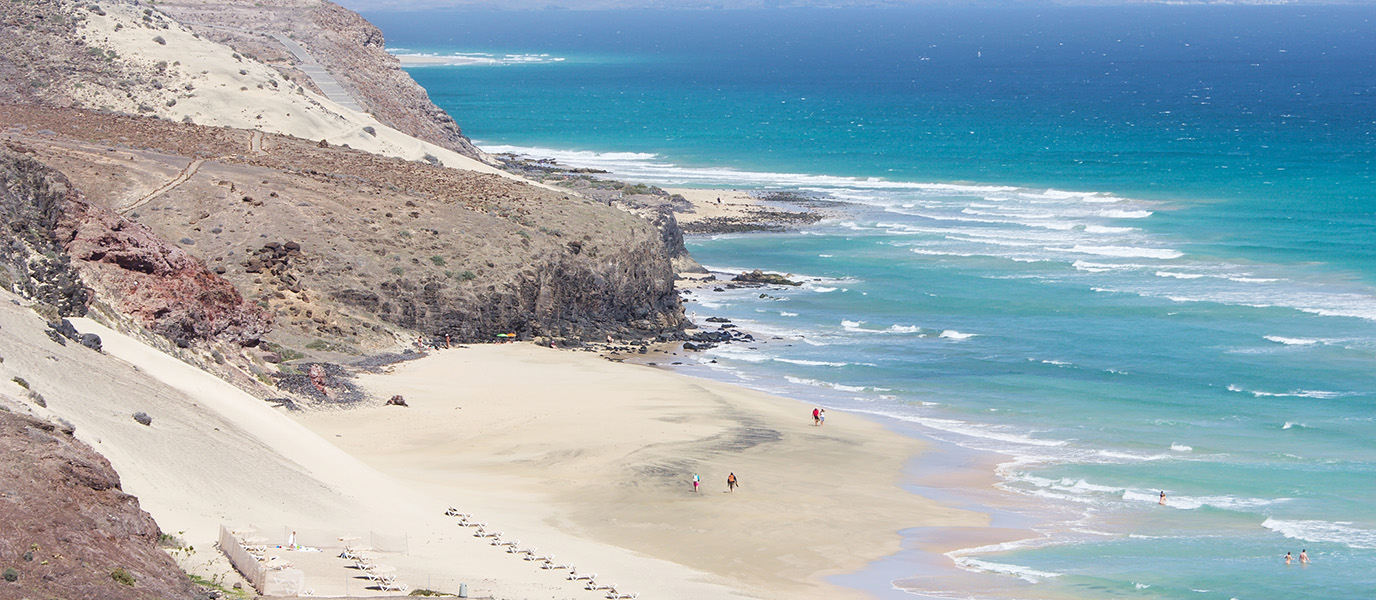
(123, 577)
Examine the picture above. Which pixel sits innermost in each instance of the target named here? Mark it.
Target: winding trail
(187, 173)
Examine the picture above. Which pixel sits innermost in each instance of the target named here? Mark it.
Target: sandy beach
(594, 459)
(574, 456)
(710, 204)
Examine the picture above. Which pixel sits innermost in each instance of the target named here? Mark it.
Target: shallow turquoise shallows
(1131, 250)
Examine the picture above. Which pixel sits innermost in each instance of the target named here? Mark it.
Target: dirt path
(187, 173)
(255, 142)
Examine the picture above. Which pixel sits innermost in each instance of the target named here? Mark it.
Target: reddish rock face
(63, 250)
(172, 292)
(68, 526)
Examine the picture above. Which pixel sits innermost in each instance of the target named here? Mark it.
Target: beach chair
(553, 565)
(576, 576)
(454, 512)
(616, 596)
(598, 587)
(287, 584)
(547, 558)
(364, 563)
(393, 586)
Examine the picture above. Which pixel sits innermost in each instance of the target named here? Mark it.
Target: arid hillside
(70, 532)
(345, 44)
(148, 59)
(347, 251)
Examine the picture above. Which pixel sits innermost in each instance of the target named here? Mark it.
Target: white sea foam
(1024, 573)
(1122, 251)
(1340, 532)
(1292, 341)
(1126, 214)
(1181, 447)
(975, 430)
(1316, 394)
(831, 385)
(1183, 502)
(737, 353)
(904, 328)
(458, 59)
(811, 363)
(1180, 275)
(783, 313)
(652, 168)
(1099, 267)
(823, 290)
(952, 334)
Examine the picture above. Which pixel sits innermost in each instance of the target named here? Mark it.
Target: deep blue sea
(1130, 250)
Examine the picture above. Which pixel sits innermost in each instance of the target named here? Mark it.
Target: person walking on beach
(731, 482)
(695, 483)
(1304, 557)
(816, 418)
(822, 417)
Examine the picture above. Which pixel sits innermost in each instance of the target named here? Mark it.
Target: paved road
(318, 74)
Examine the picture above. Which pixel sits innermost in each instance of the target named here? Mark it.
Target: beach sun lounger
(575, 576)
(394, 587)
(616, 596)
(608, 587)
(552, 565)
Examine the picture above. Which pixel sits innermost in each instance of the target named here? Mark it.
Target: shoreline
(633, 494)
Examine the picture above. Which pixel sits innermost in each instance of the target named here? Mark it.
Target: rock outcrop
(173, 293)
(33, 262)
(758, 276)
(69, 530)
(64, 251)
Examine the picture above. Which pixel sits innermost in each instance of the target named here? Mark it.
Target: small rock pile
(276, 258)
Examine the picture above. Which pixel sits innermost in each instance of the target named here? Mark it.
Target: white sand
(581, 458)
(567, 449)
(240, 93)
(733, 203)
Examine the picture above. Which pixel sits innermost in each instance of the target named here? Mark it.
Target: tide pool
(1129, 249)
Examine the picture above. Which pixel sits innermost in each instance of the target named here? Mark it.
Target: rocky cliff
(343, 248)
(69, 530)
(63, 251)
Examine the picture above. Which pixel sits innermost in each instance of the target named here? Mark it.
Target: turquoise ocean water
(1126, 249)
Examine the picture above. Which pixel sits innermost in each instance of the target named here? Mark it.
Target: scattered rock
(758, 276)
